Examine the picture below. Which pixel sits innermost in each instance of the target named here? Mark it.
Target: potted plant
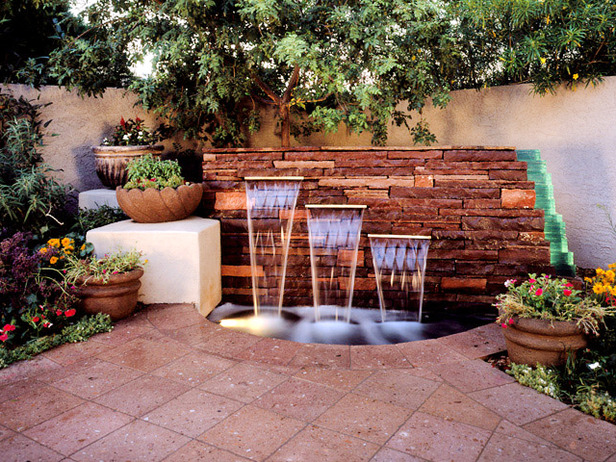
(156, 191)
(130, 140)
(109, 284)
(546, 318)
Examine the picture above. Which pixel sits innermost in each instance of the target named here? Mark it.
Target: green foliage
(217, 63)
(30, 198)
(543, 42)
(553, 299)
(85, 328)
(88, 219)
(133, 133)
(101, 269)
(542, 379)
(149, 172)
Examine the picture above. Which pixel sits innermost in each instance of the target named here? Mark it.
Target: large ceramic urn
(111, 161)
(157, 206)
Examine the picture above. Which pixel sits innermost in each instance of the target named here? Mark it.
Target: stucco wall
(573, 129)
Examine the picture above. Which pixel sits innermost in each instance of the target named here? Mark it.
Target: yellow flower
(67, 252)
(587, 279)
(68, 248)
(575, 76)
(53, 260)
(83, 247)
(54, 242)
(611, 265)
(542, 60)
(547, 19)
(43, 250)
(66, 242)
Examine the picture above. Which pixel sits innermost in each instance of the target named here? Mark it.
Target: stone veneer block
(95, 198)
(183, 258)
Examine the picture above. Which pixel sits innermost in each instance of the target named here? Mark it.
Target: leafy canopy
(218, 62)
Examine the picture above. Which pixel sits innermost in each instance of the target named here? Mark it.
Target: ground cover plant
(588, 379)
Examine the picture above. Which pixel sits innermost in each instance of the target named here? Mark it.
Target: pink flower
(568, 285)
(567, 292)
(4, 337)
(69, 313)
(539, 292)
(8, 328)
(511, 322)
(532, 281)
(504, 326)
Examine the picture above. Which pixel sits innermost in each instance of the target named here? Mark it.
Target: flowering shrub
(132, 133)
(56, 250)
(147, 172)
(35, 300)
(549, 298)
(542, 379)
(102, 268)
(603, 286)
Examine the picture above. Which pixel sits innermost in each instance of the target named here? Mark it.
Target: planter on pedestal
(156, 206)
(111, 161)
(117, 297)
(531, 341)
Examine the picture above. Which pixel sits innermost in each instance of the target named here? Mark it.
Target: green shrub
(88, 219)
(147, 172)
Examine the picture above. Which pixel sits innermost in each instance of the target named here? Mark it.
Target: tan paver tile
(508, 449)
(196, 334)
(32, 368)
(228, 343)
(271, 351)
(73, 352)
(136, 441)
(429, 352)
(144, 355)
(18, 448)
(77, 427)
(476, 343)
(31, 409)
(518, 404)
(252, 432)
(399, 387)
(339, 379)
(123, 331)
(319, 444)
(320, 356)
(18, 387)
(364, 418)
(436, 439)
(508, 429)
(449, 404)
(389, 455)
(196, 451)
(243, 382)
(377, 357)
(174, 316)
(5, 433)
(468, 376)
(194, 368)
(299, 399)
(579, 433)
(193, 412)
(142, 395)
(95, 378)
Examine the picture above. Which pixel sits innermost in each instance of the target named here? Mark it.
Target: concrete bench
(183, 258)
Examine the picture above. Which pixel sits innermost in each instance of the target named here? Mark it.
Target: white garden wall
(575, 131)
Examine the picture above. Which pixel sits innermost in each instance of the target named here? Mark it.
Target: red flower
(511, 321)
(123, 122)
(58, 312)
(567, 292)
(504, 326)
(8, 328)
(532, 281)
(4, 337)
(36, 319)
(137, 119)
(46, 324)
(69, 313)
(539, 292)
(568, 284)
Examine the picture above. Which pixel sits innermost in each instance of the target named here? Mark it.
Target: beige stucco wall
(573, 129)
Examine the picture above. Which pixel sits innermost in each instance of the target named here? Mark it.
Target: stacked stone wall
(475, 203)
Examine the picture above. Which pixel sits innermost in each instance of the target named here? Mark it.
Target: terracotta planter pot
(156, 206)
(111, 161)
(531, 341)
(117, 298)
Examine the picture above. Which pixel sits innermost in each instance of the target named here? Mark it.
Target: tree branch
(266, 89)
(291, 85)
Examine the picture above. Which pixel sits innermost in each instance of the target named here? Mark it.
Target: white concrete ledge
(183, 258)
(94, 198)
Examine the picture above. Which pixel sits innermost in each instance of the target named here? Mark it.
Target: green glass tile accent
(560, 256)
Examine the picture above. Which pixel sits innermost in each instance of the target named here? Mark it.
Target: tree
(318, 63)
(543, 42)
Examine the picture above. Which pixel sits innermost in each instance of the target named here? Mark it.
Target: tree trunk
(285, 133)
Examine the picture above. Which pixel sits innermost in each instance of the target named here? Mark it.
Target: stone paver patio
(168, 385)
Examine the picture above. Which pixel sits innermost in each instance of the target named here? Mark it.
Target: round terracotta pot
(155, 206)
(117, 297)
(531, 341)
(111, 161)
